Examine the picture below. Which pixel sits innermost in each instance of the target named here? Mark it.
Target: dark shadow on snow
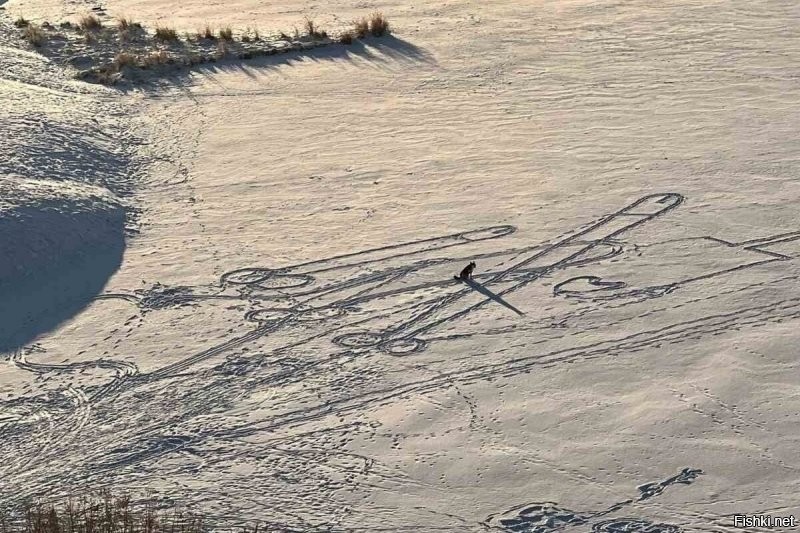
(378, 52)
(50, 286)
(489, 294)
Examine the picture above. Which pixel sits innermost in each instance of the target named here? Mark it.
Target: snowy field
(274, 332)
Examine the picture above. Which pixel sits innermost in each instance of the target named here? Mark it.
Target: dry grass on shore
(117, 50)
(378, 24)
(103, 513)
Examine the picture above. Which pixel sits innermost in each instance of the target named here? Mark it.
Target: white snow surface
(65, 191)
(284, 341)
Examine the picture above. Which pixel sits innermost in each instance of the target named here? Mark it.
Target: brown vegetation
(124, 59)
(361, 27)
(90, 23)
(226, 33)
(378, 24)
(165, 34)
(347, 37)
(124, 23)
(99, 514)
(35, 35)
(158, 57)
(134, 48)
(250, 35)
(313, 31)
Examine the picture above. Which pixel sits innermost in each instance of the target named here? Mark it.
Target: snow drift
(64, 177)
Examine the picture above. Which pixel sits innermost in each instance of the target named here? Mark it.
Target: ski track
(284, 341)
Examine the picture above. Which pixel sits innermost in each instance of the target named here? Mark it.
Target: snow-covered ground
(284, 341)
(66, 182)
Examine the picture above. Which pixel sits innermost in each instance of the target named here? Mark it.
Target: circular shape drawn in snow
(586, 286)
(401, 347)
(247, 276)
(361, 339)
(268, 314)
(488, 233)
(321, 313)
(284, 281)
(593, 253)
(633, 525)
(170, 442)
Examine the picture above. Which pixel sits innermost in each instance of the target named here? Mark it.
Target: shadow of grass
(379, 51)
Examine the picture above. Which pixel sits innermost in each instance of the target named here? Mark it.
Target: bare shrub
(35, 35)
(104, 512)
(124, 59)
(124, 23)
(346, 37)
(311, 27)
(165, 34)
(284, 37)
(361, 27)
(208, 33)
(107, 75)
(157, 57)
(21, 22)
(378, 24)
(90, 23)
(313, 30)
(226, 33)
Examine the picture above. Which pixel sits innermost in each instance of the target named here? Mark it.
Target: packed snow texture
(285, 342)
(65, 191)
